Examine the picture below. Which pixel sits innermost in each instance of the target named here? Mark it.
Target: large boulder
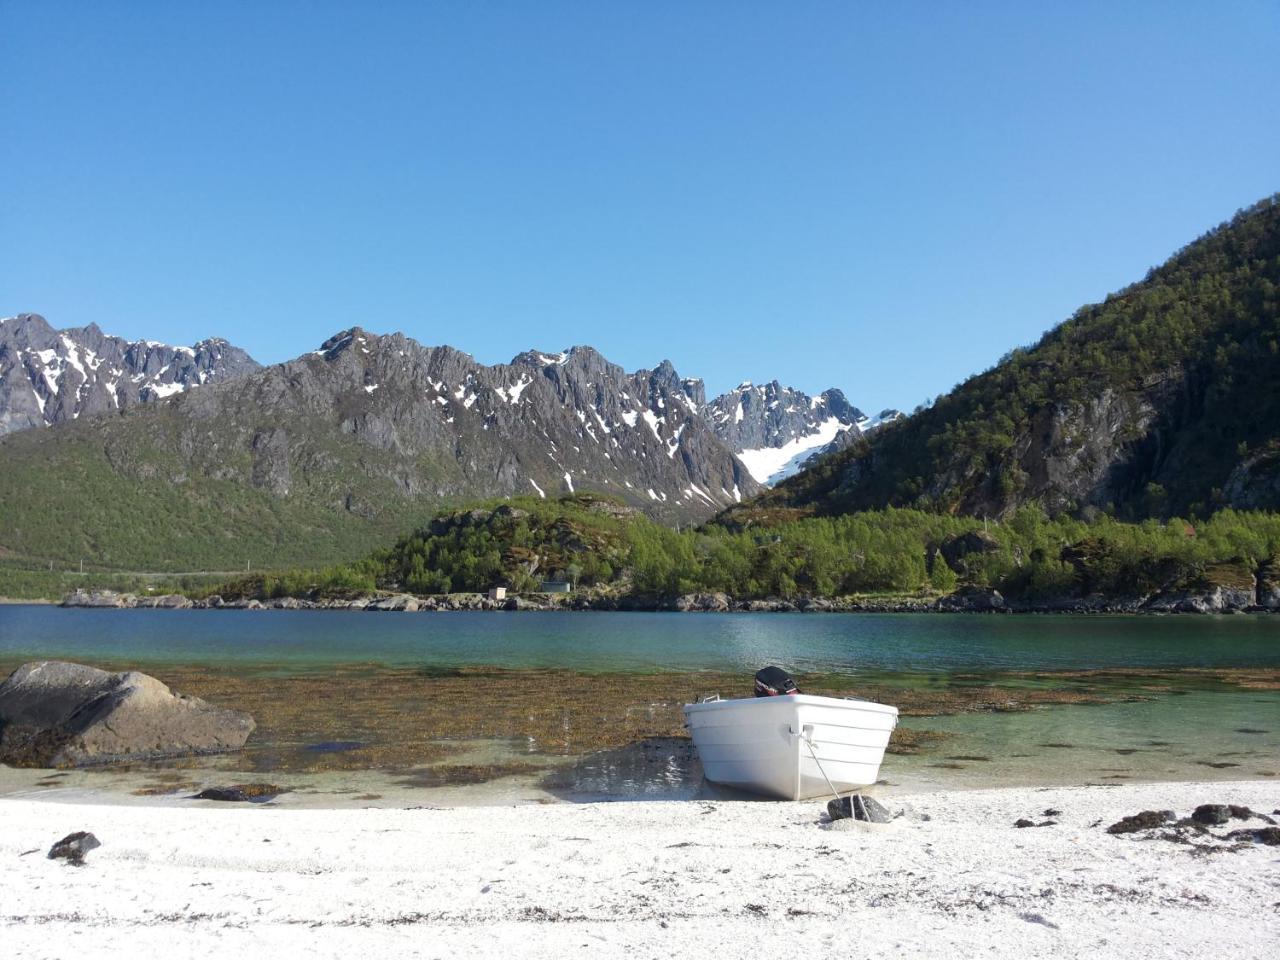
(55, 714)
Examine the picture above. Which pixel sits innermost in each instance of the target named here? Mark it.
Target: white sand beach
(950, 877)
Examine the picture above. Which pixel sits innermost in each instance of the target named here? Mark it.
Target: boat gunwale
(799, 699)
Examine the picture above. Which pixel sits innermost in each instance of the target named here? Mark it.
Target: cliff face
(1162, 400)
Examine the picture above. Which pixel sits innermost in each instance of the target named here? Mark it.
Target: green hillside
(1162, 400)
(609, 549)
(71, 493)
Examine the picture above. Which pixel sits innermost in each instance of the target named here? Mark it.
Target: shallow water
(367, 709)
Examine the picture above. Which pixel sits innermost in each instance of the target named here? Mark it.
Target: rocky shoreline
(1216, 600)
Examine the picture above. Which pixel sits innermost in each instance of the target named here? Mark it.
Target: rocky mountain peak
(48, 376)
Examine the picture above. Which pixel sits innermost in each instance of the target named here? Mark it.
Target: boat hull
(781, 746)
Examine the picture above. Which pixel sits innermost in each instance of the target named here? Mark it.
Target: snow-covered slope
(776, 430)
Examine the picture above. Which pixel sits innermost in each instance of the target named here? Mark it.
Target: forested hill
(1162, 400)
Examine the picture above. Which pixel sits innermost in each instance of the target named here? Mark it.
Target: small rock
(1146, 820)
(1024, 823)
(857, 806)
(1211, 813)
(1038, 918)
(73, 847)
(1268, 835)
(1051, 812)
(241, 793)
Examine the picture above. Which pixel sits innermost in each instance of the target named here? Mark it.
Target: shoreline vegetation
(892, 560)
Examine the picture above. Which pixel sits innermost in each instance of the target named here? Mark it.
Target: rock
(73, 847)
(1268, 835)
(1024, 823)
(704, 602)
(1240, 813)
(241, 793)
(400, 603)
(1268, 584)
(858, 806)
(100, 598)
(55, 714)
(1146, 820)
(1211, 814)
(956, 550)
(972, 600)
(168, 601)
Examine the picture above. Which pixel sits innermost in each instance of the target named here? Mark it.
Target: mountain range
(329, 452)
(48, 376)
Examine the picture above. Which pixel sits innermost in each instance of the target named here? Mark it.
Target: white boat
(782, 746)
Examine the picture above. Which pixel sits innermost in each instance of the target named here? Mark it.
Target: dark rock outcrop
(56, 714)
(241, 793)
(973, 600)
(1146, 820)
(956, 550)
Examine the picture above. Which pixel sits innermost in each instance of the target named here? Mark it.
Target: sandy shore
(950, 877)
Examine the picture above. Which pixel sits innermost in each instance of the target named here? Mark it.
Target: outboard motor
(774, 682)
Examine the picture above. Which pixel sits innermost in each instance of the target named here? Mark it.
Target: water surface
(599, 641)
(367, 708)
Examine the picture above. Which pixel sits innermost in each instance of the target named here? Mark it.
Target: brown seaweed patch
(402, 719)
(166, 787)
(907, 740)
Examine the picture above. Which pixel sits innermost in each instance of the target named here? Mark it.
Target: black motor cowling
(774, 682)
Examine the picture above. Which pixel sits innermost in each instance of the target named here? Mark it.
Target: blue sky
(881, 197)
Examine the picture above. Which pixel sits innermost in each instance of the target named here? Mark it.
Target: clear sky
(881, 197)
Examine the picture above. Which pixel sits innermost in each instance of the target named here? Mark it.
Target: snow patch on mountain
(770, 465)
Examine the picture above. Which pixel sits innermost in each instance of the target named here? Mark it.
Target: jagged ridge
(48, 376)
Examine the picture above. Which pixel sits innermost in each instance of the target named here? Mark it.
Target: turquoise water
(641, 641)
(1198, 729)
